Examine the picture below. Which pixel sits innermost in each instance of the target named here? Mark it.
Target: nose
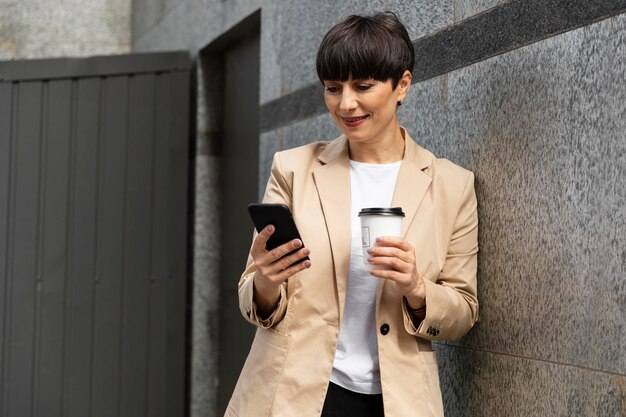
(348, 100)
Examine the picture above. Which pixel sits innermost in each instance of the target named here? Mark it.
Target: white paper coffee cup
(379, 221)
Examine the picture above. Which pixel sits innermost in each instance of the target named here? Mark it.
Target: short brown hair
(376, 46)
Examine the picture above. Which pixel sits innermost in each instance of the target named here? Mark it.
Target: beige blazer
(288, 368)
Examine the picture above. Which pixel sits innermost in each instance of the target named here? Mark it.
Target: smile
(353, 121)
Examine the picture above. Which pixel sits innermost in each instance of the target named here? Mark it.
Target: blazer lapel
(332, 180)
(412, 181)
(411, 186)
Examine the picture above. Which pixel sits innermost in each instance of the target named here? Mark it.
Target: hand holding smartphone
(280, 217)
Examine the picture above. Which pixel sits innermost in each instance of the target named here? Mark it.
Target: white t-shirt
(356, 360)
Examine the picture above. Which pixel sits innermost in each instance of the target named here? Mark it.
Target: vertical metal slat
(138, 244)
(22, 268)
(82, 250)
(157, 354)
(108, 295)
(6, 124)
(48, 401)
(177, 240)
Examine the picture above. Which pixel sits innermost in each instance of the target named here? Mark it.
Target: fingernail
(370, 259)
(270, 228)
(306, 252)
(297, 243)
(370, 250)
(379, 239)
(307, 264)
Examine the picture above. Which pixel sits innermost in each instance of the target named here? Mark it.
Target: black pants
(341, 402)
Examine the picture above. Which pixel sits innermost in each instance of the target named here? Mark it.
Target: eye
(331, 89)
(363, 87)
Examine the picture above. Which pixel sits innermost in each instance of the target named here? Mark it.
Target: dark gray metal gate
(94, 157)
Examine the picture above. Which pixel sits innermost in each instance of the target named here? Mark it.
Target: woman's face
(365, 109)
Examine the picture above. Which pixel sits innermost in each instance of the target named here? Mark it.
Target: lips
(353, 121)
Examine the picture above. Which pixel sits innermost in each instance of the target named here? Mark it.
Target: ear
(404, 84)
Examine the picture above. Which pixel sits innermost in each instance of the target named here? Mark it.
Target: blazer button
(384, 329)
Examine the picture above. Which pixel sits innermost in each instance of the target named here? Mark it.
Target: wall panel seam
(39, 243)
(530, 358)
(146, 400)
(127, 128)
(102, 116)
(69, 231)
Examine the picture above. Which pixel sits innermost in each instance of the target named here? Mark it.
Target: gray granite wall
(61, 28)
(541, 125)
(543, 128)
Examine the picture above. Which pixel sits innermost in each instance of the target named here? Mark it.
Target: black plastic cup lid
(382, 211)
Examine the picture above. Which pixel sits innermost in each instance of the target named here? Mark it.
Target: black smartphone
(279, 216)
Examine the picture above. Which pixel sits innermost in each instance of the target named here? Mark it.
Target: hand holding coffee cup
(389, 255)
(377, 222)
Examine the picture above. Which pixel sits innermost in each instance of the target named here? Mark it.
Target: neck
(384, 150)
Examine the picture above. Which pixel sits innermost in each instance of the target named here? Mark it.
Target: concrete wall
(541, 124)
(61, 28)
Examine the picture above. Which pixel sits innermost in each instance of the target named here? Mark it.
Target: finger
(288, 260)
(275, 260)
(394, 241)
(402, 280)
(282, 250)
(392, 262)
(287, 273)
(277, 273)
(258, 247)
(390, 251)
(389, 274)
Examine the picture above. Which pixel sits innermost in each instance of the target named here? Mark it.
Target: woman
(335, 338)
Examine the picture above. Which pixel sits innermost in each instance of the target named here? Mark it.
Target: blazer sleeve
(451, 301)
(277, 191)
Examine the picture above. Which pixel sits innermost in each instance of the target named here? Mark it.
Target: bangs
(363, 48)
